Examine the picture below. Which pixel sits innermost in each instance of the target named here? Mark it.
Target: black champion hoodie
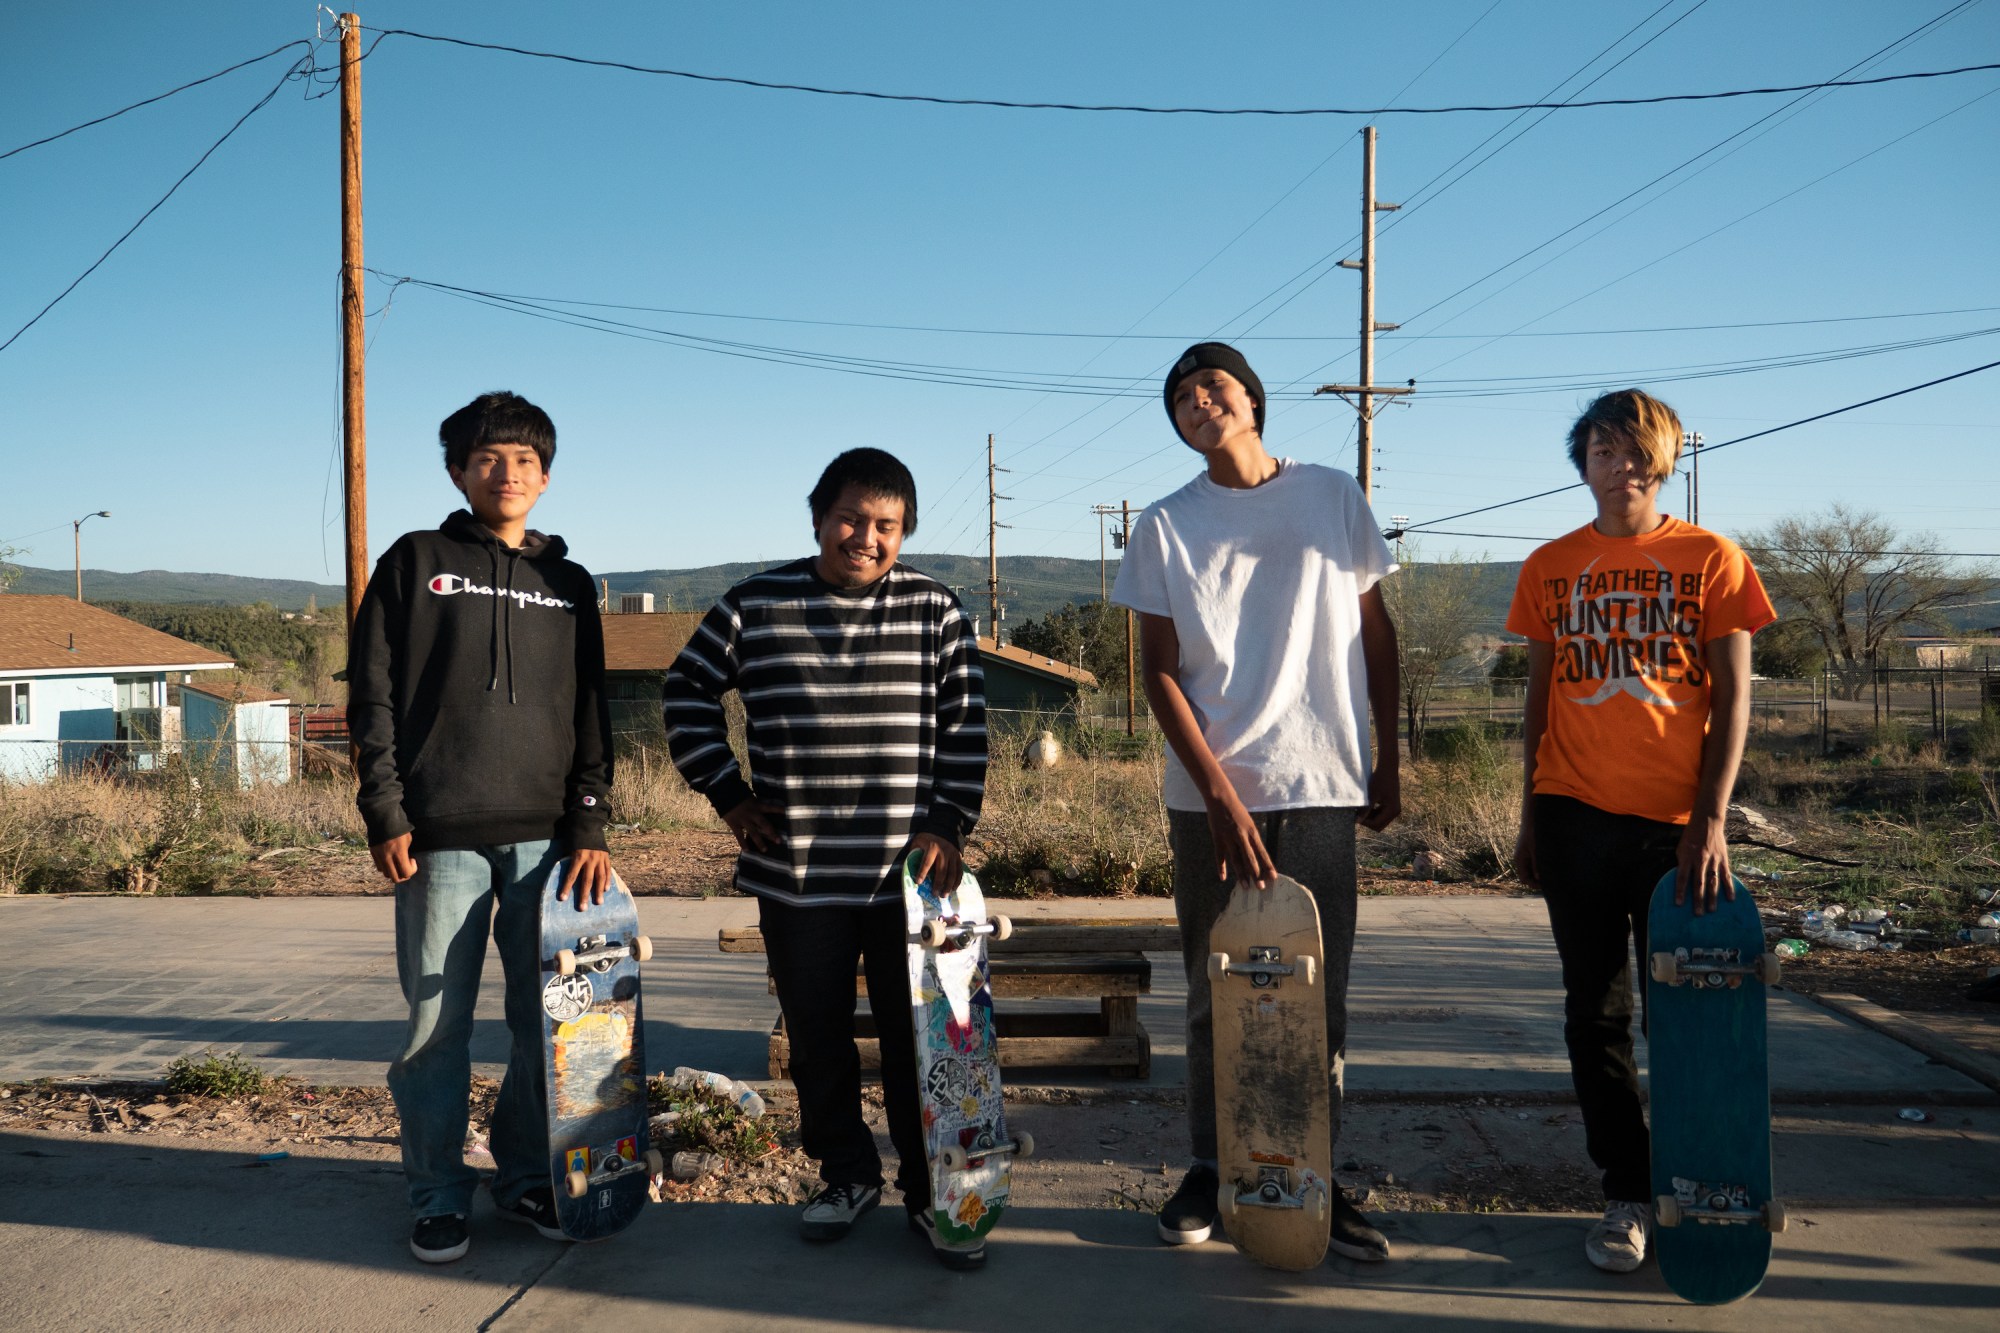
(476, 693)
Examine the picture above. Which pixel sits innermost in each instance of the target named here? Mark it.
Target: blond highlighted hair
(1633, 418)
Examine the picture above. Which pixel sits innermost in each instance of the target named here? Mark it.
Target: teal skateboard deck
(958, 1056)
(593, 1056)
(1714, 1210)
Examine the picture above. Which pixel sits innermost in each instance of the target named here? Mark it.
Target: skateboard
(1273, 1112)
(593, 1057)
(958, 1056)
(1713, 1208)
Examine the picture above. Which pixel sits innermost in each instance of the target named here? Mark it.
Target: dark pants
(1598, 871)
(813, 952)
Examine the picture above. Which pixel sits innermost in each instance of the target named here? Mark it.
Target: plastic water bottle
(1980, 935)
(1815, 924)
(1871, 915)
(1851, 940)
(745, 1097)
(1791, 948)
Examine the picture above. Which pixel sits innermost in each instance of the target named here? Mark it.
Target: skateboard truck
(937, 933)
(598, 952)
(613, 1165)
(1271, 1193)
(957, 1157)
(1264, 969)
(1715, 1205)
(1712, 969)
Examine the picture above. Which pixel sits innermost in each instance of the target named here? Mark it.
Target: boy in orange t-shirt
(1638, 700)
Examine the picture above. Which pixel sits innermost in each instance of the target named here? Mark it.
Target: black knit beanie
(1214, 356)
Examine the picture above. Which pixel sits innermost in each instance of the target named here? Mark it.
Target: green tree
(1509, 664)
(1435, 606)
(1093, 633)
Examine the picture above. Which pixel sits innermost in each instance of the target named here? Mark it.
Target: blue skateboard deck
(958, 1056)
(594, 1059)
(1714, 1210)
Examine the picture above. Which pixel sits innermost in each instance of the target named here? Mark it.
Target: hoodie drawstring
(513, 562)
(493, 639)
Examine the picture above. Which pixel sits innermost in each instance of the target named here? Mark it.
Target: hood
(463, 525)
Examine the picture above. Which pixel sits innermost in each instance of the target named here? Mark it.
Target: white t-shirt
(1264, 587)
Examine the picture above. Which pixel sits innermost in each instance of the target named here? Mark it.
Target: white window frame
(17, 707)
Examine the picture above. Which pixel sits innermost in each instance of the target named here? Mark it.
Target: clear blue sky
(189, 384)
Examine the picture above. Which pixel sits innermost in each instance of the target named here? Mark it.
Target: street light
(76, 531)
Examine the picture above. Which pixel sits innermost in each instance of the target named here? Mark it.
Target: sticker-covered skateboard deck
(1708, 1067)
(1273, 1109)
(594, 1058)
(958, 1056)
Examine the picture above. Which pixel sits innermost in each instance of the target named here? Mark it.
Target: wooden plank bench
(1079, 958)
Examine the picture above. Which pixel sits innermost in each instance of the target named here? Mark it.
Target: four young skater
(482, 741)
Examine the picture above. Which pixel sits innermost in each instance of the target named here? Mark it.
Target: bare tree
(9, 572)
(1436, 607)
(1858, 584)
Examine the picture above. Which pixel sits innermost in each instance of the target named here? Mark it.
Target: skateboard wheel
(934, 933)
(1774, 1217)
(1003, 928)
(952, 1158)
(1306, 969)
(577, 1183)
(1664, 968)
(1768, 970)
(1319, 1203)
(656, 1164)
(1666, 1208)
(642, 948)
(566, 964)
(1226, 1200)
(1218, 968)
(1024, 1145)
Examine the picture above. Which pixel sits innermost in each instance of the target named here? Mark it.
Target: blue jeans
(442, 918)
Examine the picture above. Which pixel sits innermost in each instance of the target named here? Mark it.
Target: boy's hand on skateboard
(1239, 851)
(590, 872)
(752, 824)
(1704, 864)
(939, 857)
(393, 858)
(1385, 799)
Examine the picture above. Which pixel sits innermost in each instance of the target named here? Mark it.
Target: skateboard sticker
(579, 1160)
(564, 998)
(628, 1148)
(589, 1055)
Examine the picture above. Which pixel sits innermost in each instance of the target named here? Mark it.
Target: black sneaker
(536, 1207)
(1352, 1235)
(959, 1258)
(831, 1213)
(1189, 1217)
(441, 1238)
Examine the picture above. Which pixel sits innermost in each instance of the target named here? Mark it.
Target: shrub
(215, 1076)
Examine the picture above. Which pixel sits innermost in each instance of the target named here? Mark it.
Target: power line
(1392, 533)
(1000, 104)
(1711, 448)
(301, 68)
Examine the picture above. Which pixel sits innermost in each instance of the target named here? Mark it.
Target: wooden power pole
(1131, 697)
(1363, 395)
(353, 318)
(993, 526)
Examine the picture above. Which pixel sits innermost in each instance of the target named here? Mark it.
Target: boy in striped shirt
(866, 710)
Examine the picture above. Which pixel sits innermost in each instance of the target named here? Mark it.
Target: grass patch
(708, 1122)
(1093, 825)
(1462, 800)
(212, 1075)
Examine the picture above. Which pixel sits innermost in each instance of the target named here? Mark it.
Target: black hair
(877, 472)
(497, 418)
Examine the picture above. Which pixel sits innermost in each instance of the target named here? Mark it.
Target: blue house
(79, 685)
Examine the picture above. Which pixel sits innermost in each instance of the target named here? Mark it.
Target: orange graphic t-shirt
(1631, 619)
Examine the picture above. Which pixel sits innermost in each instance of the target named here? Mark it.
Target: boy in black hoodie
(482, 740)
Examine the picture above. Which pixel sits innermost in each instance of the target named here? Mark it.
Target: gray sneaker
(1617, 1242)
(831, 1213)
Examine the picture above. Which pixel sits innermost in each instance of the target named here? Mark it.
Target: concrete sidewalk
(1454, 1000)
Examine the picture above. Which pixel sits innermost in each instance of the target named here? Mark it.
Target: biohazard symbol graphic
(1627, 632)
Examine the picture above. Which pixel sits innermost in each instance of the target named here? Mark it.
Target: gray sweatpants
(1314, 847)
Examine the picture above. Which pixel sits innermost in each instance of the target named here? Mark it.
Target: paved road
(1452, 996)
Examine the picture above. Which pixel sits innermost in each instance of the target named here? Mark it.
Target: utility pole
(1124, 539)
(1365, 392)
(353, 318)
(1118, 540)
(993, 526)
(1692, 440)
(76, 531)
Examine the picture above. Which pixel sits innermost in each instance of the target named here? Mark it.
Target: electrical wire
(1000, 104)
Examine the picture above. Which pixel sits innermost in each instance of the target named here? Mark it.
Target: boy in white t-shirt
(1266, 648)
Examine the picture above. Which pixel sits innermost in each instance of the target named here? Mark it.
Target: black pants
(1598, 871)
(813, 952)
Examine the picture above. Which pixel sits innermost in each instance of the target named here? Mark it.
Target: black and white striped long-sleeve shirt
(867, 725)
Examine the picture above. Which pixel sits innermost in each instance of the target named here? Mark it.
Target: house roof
(1047, 666)
(49, 633)
(648, 641)
(237, 692)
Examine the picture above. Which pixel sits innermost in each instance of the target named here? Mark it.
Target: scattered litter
(476, 1149)
(265, 1159)
(746, 1097)
(1983, 935)
(1914, 1115)
(1792, 949)
(1870, 916)
(689, 1165)
(1850, 940)
(664, 1120)
(1988, 920)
